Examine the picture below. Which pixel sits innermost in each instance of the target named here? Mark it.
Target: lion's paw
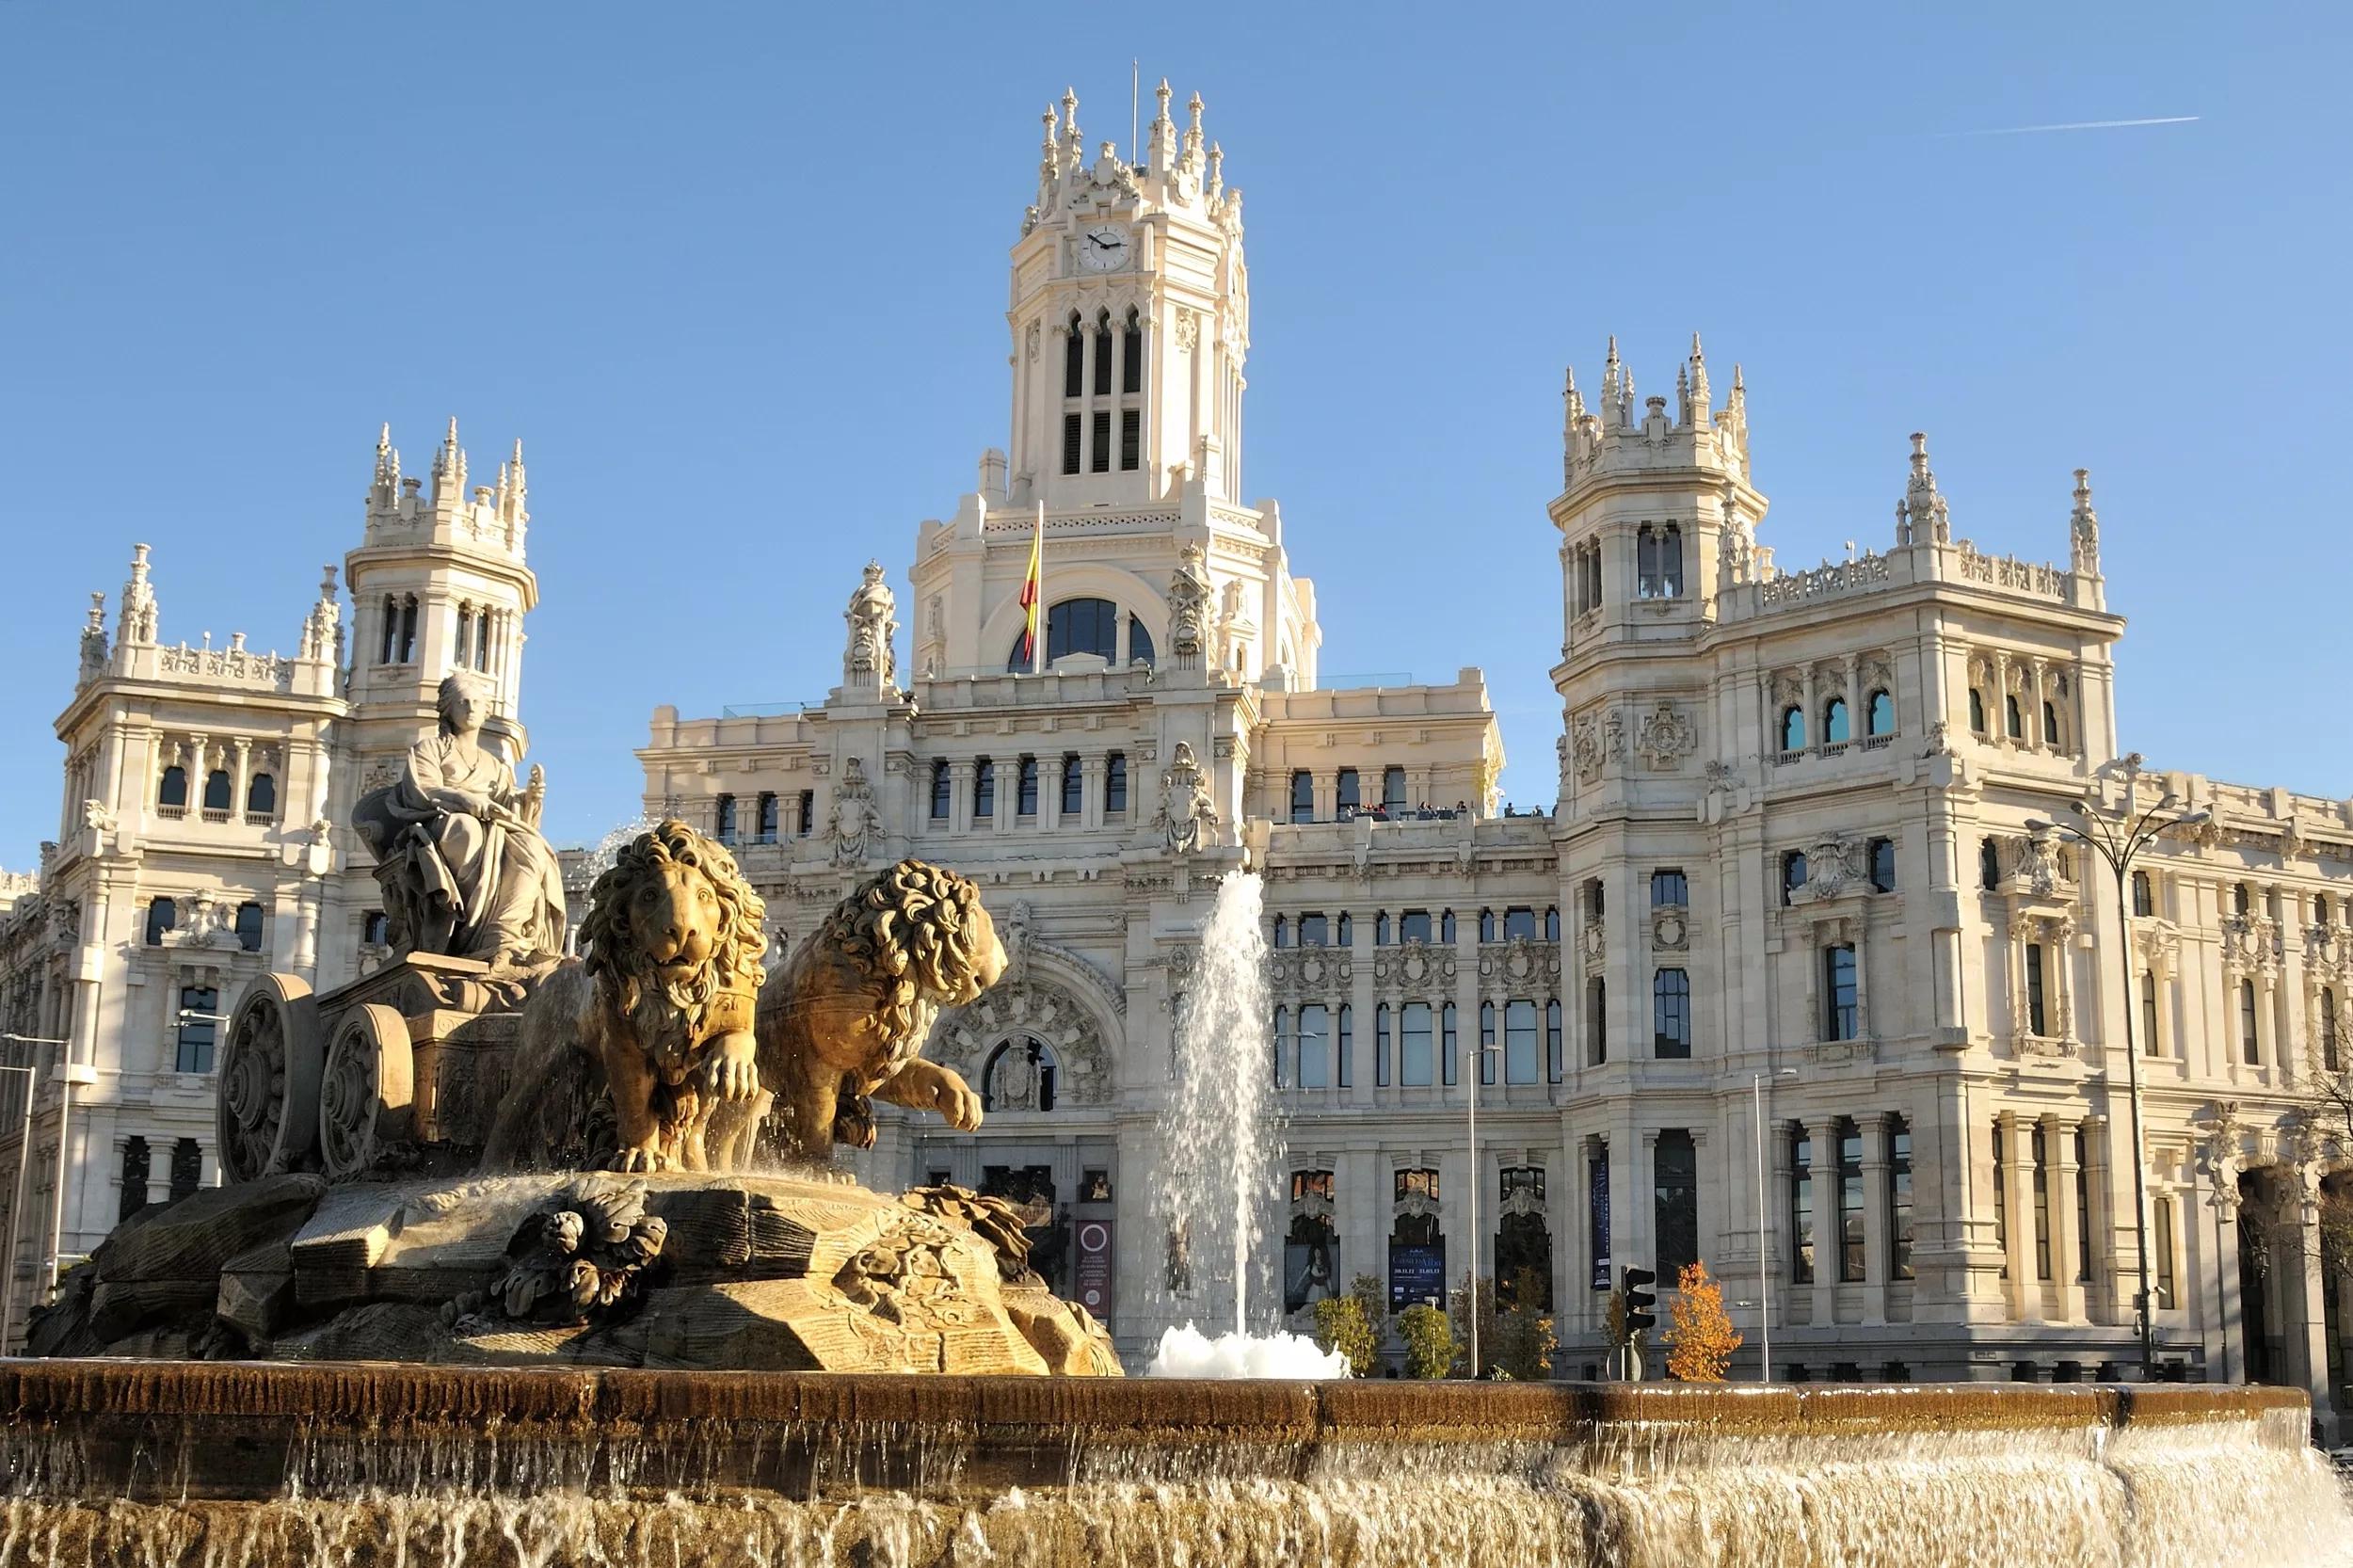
(644, 1158)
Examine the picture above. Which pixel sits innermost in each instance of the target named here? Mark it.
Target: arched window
(1989, 865)
(2144, 896)
(2050, 725)
(260, 796)
(1879, 714)
(1835, 721)
(250, 927)
(1303, 795)
(1552, 922)
(1883, 865)
(172, 794)
(2242, 902)
(1446, 926)
(1139, 649)
(465, 635)
(1381, 929)
(943, 792)
(1977, 711)
(1074, 360)
(984, 790)
(1102, 358)
(1793, 728)
(2148, 1012)
(1076, 625)
(1073, 786)
(2012, 719)
(482, 640)
(723, 820)
(1131, 355)
(1115, 784)
(1671, 1014)
(1792, 875)
(1024, 789)
(2250, 1038)
(1486, 926)
(2330, 1059)
(219, 793)
(1346, 935)
(392, 629)
(162, 915)
(408, 629)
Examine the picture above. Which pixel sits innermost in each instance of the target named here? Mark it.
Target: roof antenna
(1135, 111)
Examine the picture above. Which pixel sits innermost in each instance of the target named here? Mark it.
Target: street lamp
(1764, 1251)
(1470, 1306)
(2118, 837)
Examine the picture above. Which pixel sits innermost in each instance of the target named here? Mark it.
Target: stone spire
(1923, 508)
(512, 491)
(1163, 152)
(1074, 145)
(137, 623)
(1699, 414)
(94, 639)
(449, 470)
(1193, 130)
(1613, 378)
(387, 463)
(2084, 527)
(323, 629)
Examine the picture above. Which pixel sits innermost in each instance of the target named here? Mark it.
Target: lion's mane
(909, 931)
(617, 961)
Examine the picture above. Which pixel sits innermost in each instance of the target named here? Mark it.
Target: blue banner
(1598, 1168)
(1416, 1275)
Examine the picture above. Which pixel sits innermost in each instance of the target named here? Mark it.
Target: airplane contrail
(2077, 125)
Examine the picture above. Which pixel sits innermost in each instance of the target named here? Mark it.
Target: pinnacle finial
(1695, 347)
(453, 430)
(1613, 348)
(1737, 385)
(2083, 489)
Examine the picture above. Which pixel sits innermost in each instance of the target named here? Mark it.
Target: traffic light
(1639, 1298)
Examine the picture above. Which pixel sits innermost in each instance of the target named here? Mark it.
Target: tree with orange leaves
(1701, 1340)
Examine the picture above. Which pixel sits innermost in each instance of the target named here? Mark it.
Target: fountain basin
(363, 1463)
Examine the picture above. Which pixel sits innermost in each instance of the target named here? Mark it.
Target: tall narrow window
(1671, 1014)
(1792, 876)
(173, 792)
(1883, 865)
(1486, 1041)
(250, 927)
(408, 629)
(198, 1028)
(1344, 932)
(984, 790)
(770, 818)
(482, 640)
(1674, 1162)
(1315, 1047)
(1669, 890)
(1130, 440)
(1793, 728)
(465, 635)
(1834, 722)
(1314, 930)
(1519, 1042)
(1552, 1040)
(187, 1167)
(1879, 714)
(1802, 1208)
(1101, 459)
(1139, 643)
(2162, 1244)
(218, 791)
(1486, 926)
(723, 822)
(2148, 1012)
(2331, 1059)
(1596, 1021)
(1380, 1046)
(2083, 1207)
(1074, 359)
(2001, 1198)
(943, 792)
(1393, 790)
(2038, 1019)
(2042, 1204)
(1899, 1198)
(1446, 926)
(1989, 865)
(134, 1170)
(1671, 561)
(1285, 1042)
(1073, 441)
(1645, 563)
(1282, 931)
(1977, 711)
(1025, 788)
(392, 629)
(1115, 784)
(2050, 725)
(1850, 1202)
(2242, 902)
(1839, 993)
(805, 823)
(2250, 1038)
(163, 915)
(1381, 929)
(1132, 355)
(1302, 796)
(2013, 721)
(1345, 792)
(1073, 786)
(2144, 896)
(261, 797)
(1447, 1044)
(1345, 1046)
(1102, 354)
(1414, 1060)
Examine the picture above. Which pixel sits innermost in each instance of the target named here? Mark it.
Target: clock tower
(1131, 321)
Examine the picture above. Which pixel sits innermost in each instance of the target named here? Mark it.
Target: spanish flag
(1032, 597)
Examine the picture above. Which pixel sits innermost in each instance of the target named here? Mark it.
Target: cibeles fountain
(527, 1260)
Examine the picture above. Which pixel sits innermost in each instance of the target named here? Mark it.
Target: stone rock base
(753, 1272)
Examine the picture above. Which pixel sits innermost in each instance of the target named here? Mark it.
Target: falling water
(1223, 1146)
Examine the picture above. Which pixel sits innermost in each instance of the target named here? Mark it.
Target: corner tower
(1131, 320)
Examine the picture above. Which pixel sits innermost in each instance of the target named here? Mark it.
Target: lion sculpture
(842, 1022)
(625, 1054)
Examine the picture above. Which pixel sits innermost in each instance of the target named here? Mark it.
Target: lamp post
(2118, 838)
(1470, 1306)
(1764, 1250)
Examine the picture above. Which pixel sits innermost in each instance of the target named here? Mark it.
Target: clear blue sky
(736, 276)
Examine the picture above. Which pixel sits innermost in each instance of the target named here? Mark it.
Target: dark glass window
(1115, 784)
(376, 928)
(1347, 1046)
(770, 818)
(1345, 933)
(2331, 1059)
(1314, 930)
(1519, 924)
(807, 814)
(134, 1168)
(2001, 1198)
(1302, 796)
(1671, 1014)
(1381, 931)
(1671, 561)
(983, 789)
(1413, 926)
(1486, 926)
(1674, 1162)
(1073, 786)
(1074, 359)
(1446, 927)
(1592, 899)
(1793, 728)
(1282, 931)
(943, 792)
(1103, 354)
(2251, 1039)
(1025, 788)
(1899, 1198)
(2037, 1016)
(1380, 1046)
(1100, 462)
(1835, 721)
(2144, 896)
(1447, 1044)
(187, 1167)
(1075, 626)
(1344, 793)
(1393, 790)
(1315, 1047)
(2083, 1208)
(2050, 725)
(1596, 1021)
(2242, 902)
(1073, 442)
(1139, 643)
(219, 794)
(1802, 1208)
(1976, 710)
(1792, 875)
(1668, 888)
(1415, 1062)
(1283, 1044)
(198, 1028)
(2162, 1244)
(162, 915)
(2012, 719)
(1850, 1202)
(1838, 992)
(1883, 865)
(261, 795)
(1131, 357)
(724, 828)
(1519, 1043)
(1552, 923)
(1881, 714)
(1486, 1041)
(2041, 1205)
(1130, 440)
(173, 792)
(1552, 1041)
(1989, 865)
(250, 927)
(2149, 1014)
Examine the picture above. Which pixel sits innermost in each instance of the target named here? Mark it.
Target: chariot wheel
(267, 1105)
(368, 1093)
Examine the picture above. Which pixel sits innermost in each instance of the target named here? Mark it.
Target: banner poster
(1416, 1275)
(1598, 1167)
(1092, 1271)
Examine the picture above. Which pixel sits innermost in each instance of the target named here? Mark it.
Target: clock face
(1104, 248)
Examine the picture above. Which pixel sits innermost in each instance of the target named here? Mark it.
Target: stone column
(1828, 1237)
(1092, 770)
(2310, 1293)
(2266, 1024)
(2059, 1150)
(2115, 1275)
(1856, 717)
(2037, 674)
(1878, 1244)
(2017, 1178)
(960, 796)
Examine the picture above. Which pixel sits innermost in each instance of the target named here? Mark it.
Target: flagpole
(1038, 554)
